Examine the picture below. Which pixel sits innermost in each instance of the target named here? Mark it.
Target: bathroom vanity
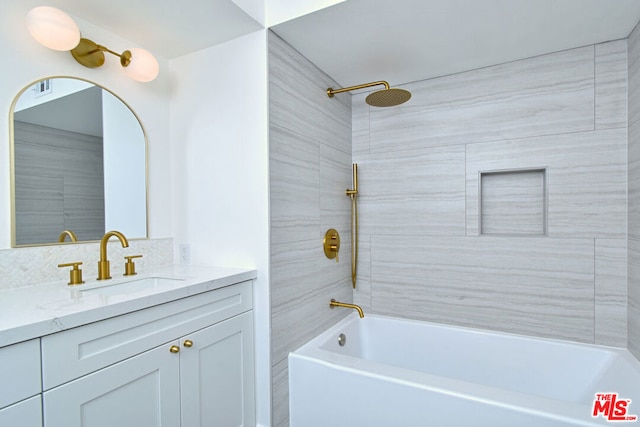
(171, 348)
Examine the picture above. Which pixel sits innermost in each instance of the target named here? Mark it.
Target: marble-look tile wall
(59, 184)
(36, 265)
(634, 194)
(423, 254)
(310, 169)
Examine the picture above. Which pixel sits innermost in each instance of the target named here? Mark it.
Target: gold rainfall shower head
(387, 97)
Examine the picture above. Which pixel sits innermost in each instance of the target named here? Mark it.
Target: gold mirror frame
(12, 162)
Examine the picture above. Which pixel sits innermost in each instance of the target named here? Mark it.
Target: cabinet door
(19, 372)
(217, 375)
(142, 391)
(27, 413)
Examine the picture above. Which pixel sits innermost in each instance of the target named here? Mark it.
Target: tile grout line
(466, 213)
(595, 71)
(594, 289)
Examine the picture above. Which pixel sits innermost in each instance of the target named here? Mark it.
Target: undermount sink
(130, 286)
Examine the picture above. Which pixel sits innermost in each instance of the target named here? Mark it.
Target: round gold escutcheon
(331, 243)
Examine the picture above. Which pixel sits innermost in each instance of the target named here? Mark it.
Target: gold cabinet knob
(188, 343)
(174, 349)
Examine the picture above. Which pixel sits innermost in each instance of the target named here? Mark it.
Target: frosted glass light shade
(143, 66)
(53, 28)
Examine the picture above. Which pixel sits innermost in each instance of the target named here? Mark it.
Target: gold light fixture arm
(331, 91)
(91, 55)
(125, 57)
(53, 28)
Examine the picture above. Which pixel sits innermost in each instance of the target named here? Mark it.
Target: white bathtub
(393, 372)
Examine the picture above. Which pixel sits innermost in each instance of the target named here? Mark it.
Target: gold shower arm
(331, 91)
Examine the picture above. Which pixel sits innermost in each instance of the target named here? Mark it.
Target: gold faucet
(335, 303)
(103, 265)
(65, 233)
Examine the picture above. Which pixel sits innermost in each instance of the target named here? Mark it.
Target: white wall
(272, 12)
(26, 61)
(124, 180)
(278, 11)
(59, 89)
(220, 162)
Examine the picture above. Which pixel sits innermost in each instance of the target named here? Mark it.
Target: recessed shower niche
(513, 202)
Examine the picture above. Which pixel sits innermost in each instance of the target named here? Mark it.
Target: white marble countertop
(35, 311)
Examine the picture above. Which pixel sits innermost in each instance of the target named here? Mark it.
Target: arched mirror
(78, 164)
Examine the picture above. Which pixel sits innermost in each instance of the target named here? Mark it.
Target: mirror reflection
(79, 164)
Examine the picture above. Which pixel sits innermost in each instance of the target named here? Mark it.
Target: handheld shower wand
(353, 195)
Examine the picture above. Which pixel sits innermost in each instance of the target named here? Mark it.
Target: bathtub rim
(313, 352)
(353, 317)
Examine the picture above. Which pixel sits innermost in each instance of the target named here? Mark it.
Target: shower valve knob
(331, 244)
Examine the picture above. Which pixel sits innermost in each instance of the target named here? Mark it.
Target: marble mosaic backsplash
(36, 265)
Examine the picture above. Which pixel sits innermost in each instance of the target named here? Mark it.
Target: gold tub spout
(335, 303)
(103, 265)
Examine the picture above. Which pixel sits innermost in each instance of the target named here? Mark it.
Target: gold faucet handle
(75, 274)
(130, 266)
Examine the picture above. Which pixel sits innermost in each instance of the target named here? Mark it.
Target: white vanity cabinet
(27, 413)
(141, 391)
(185, 363)
(20, 400)
(217, 375)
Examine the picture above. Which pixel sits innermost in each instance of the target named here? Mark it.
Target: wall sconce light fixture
(56, 30)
